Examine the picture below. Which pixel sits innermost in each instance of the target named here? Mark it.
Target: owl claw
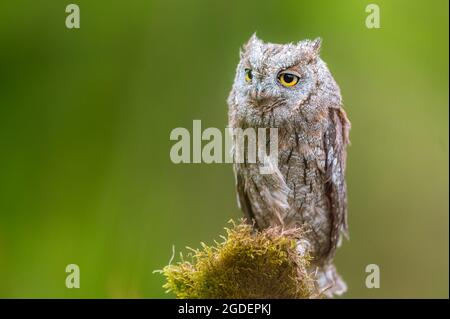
(329, 282)
(303, 247)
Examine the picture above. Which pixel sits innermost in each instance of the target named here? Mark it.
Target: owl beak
(259, 96)
(260, 93)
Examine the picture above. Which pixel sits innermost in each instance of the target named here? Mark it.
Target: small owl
(289, 87)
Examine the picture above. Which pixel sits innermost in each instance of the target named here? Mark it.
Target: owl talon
(303, 247)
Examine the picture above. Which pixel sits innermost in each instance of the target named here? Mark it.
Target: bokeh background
(85, 118)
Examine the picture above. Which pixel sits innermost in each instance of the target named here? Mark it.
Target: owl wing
(336, 140)
(242, 197)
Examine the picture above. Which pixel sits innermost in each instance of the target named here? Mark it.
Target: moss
(245, 264)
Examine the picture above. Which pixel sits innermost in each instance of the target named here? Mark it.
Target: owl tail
(328, 281)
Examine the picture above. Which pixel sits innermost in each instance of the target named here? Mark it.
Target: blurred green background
(85, 118)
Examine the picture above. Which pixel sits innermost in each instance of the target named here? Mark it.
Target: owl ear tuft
(254, 40)
(310, 48)
(316, 44)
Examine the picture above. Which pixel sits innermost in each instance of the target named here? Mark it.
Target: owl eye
(288, 79)
(248, 75)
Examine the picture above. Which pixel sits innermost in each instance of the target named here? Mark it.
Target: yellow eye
(288, 79)
(248, 75)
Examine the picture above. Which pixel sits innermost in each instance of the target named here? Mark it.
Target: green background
(85, 118)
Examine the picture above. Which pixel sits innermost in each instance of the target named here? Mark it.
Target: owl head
(280, 79)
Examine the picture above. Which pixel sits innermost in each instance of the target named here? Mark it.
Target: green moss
(246, 264)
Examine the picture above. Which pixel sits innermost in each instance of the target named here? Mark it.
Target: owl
(290, 88)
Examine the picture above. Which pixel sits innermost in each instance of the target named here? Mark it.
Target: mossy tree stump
(245, 264)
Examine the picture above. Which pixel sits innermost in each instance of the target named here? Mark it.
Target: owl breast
(301, 161)
(302, 169)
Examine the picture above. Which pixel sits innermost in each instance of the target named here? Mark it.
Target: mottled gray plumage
(308, 188)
